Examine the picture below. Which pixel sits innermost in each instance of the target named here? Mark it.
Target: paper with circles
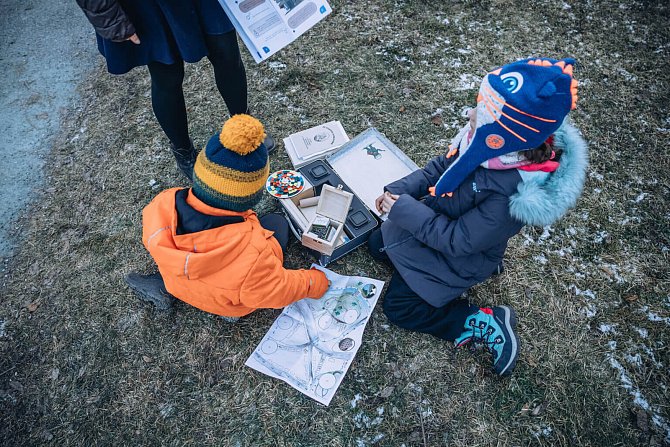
(312, 343)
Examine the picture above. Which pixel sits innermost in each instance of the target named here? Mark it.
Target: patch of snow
(627, 75)
(541, 259)
(586, 293)
(653, 316)
(546, 233)
(651, 356)
(454, 63)
(638, 397)
(275, 65)
(424, 409)
(357, 398)
(642, 331)
(590, 311)
(607, 328)
(611, 344)
(466, 82)
(3, 325)
(640, 197)
(600, 237)
(362, 420)
(635, 360)
(596, 176)
(543, 431)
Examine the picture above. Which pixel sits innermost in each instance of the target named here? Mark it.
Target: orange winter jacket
(228, 270)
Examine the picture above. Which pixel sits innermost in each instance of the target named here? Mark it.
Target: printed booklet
(267, 26)
(315, 143)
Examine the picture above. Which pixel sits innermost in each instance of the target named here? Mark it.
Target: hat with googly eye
(518, 107)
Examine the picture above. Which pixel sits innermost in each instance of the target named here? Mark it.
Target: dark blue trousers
(404, 308)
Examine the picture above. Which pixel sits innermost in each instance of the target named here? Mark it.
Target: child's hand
(378, 203)
(388, 201)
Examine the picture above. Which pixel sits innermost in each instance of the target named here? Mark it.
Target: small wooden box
(332, 209)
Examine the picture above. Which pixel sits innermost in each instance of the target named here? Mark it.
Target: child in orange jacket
(212, 250)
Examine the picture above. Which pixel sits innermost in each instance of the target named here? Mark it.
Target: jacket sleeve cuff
(318, 283)
(410, 214)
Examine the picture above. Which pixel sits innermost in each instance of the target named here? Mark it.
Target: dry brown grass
(83, 362)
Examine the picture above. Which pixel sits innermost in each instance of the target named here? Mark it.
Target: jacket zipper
(395, 244)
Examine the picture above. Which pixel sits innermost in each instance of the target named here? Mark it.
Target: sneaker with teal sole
(495, 329)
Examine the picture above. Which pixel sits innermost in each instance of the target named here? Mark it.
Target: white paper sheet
(267, 26)
(312, 343)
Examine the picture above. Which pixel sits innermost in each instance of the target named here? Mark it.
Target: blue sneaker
(494, 328)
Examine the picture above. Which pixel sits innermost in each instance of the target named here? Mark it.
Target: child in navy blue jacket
(448, 224)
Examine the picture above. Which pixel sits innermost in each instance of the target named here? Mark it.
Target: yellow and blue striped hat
(231, 171)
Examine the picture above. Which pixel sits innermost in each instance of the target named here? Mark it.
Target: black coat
(108, 19)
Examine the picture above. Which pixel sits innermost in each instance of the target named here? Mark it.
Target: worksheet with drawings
(312, 343)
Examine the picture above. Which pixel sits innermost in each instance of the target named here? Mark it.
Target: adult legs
(167, 100)
(229, 73)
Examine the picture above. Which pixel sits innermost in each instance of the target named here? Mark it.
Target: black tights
(167, 94)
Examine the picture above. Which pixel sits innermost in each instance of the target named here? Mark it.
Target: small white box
(333, 207)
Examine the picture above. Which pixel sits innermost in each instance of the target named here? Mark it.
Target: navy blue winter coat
(169, 30)
(441, 246)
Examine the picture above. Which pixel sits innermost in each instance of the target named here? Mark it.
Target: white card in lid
(368, 163)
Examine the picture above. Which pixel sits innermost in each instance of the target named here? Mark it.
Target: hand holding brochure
(267, 26)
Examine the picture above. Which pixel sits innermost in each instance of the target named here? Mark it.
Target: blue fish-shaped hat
(519, 106)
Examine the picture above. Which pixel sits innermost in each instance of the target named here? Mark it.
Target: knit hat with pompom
(230, 172)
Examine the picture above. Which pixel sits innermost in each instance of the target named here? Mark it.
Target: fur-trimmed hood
(542, 200)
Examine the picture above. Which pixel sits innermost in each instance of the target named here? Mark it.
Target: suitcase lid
(334, 203)
(368, 163)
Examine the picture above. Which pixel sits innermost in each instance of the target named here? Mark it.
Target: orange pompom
(242, 134)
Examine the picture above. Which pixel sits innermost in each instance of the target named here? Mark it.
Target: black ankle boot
(185, 159)
(150, 288)
(269, 143)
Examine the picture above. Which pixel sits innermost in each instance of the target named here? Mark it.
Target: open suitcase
(362, 167)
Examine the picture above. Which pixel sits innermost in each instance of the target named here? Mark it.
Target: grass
(82, 362)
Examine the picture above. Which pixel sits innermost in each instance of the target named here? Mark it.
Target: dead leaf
(386, 392)
(642, 420)
(437, 120)
(32, 307)
(525, 409)
(147, 359)
(402, 109)
(631, 298)
(226, 363)
(539, 409)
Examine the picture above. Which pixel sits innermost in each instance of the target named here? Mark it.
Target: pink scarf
(515, 160)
